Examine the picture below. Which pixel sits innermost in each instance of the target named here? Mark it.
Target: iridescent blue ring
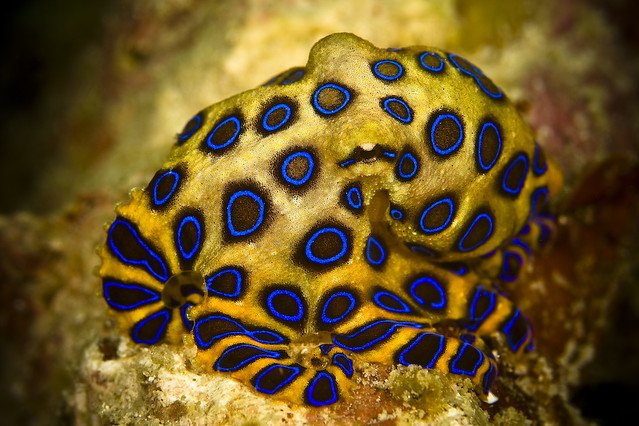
(292, 295)
(438, 68)
(342, 252)
(176, 179)
(400, 70)
(309, 172)
(409, 112)
(258, 222)
(433, 128)
(318, 107)
(274, 108)
(209, 140)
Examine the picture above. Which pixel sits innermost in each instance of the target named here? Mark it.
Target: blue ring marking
(238, 282)
(402, 360)
(410, 157)
(163, 276)
(209, 138)
(271, 110)
(283, 317)
(333, 320)
(358, 196)
(176, 179)
(391, 330)
(419, 249)
(457, 268)
(372, 241)
(107, 285)
(405, 309)
(294, 77)
(480, 141)
(400, 70)
(265, 353)
(489, 254)
(409, 112)
(315, 259)
(475, 75)
(428, 67)
(273, 338)
(446, 200)
(396, 214)
(192, 219)
(520, 184)
(504, 274)
(524, 229)
(507, 329)
(538, 169)
(473, 372)
(474, 318)
(530, 346)
(318, 107)
(296, 369)
(534, 200)
(198, 122)
(545, 232)
(468, 338)
(437, 286)
(433, 128)
(488, 378)
(188, 324)
(389, 154)
(343, 362)
(523, 245)
(309, 172)
(258, 222)
(460, 245)
(321, 375)
(325, 348)
(346, 162)
(163, 313)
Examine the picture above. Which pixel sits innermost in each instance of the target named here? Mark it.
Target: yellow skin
(238, 192)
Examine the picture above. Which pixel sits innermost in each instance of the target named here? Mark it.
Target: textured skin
(285, 276)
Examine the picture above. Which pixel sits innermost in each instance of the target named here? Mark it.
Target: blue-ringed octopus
(365, 208)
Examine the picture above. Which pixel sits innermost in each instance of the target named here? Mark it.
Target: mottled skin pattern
(364, 208)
